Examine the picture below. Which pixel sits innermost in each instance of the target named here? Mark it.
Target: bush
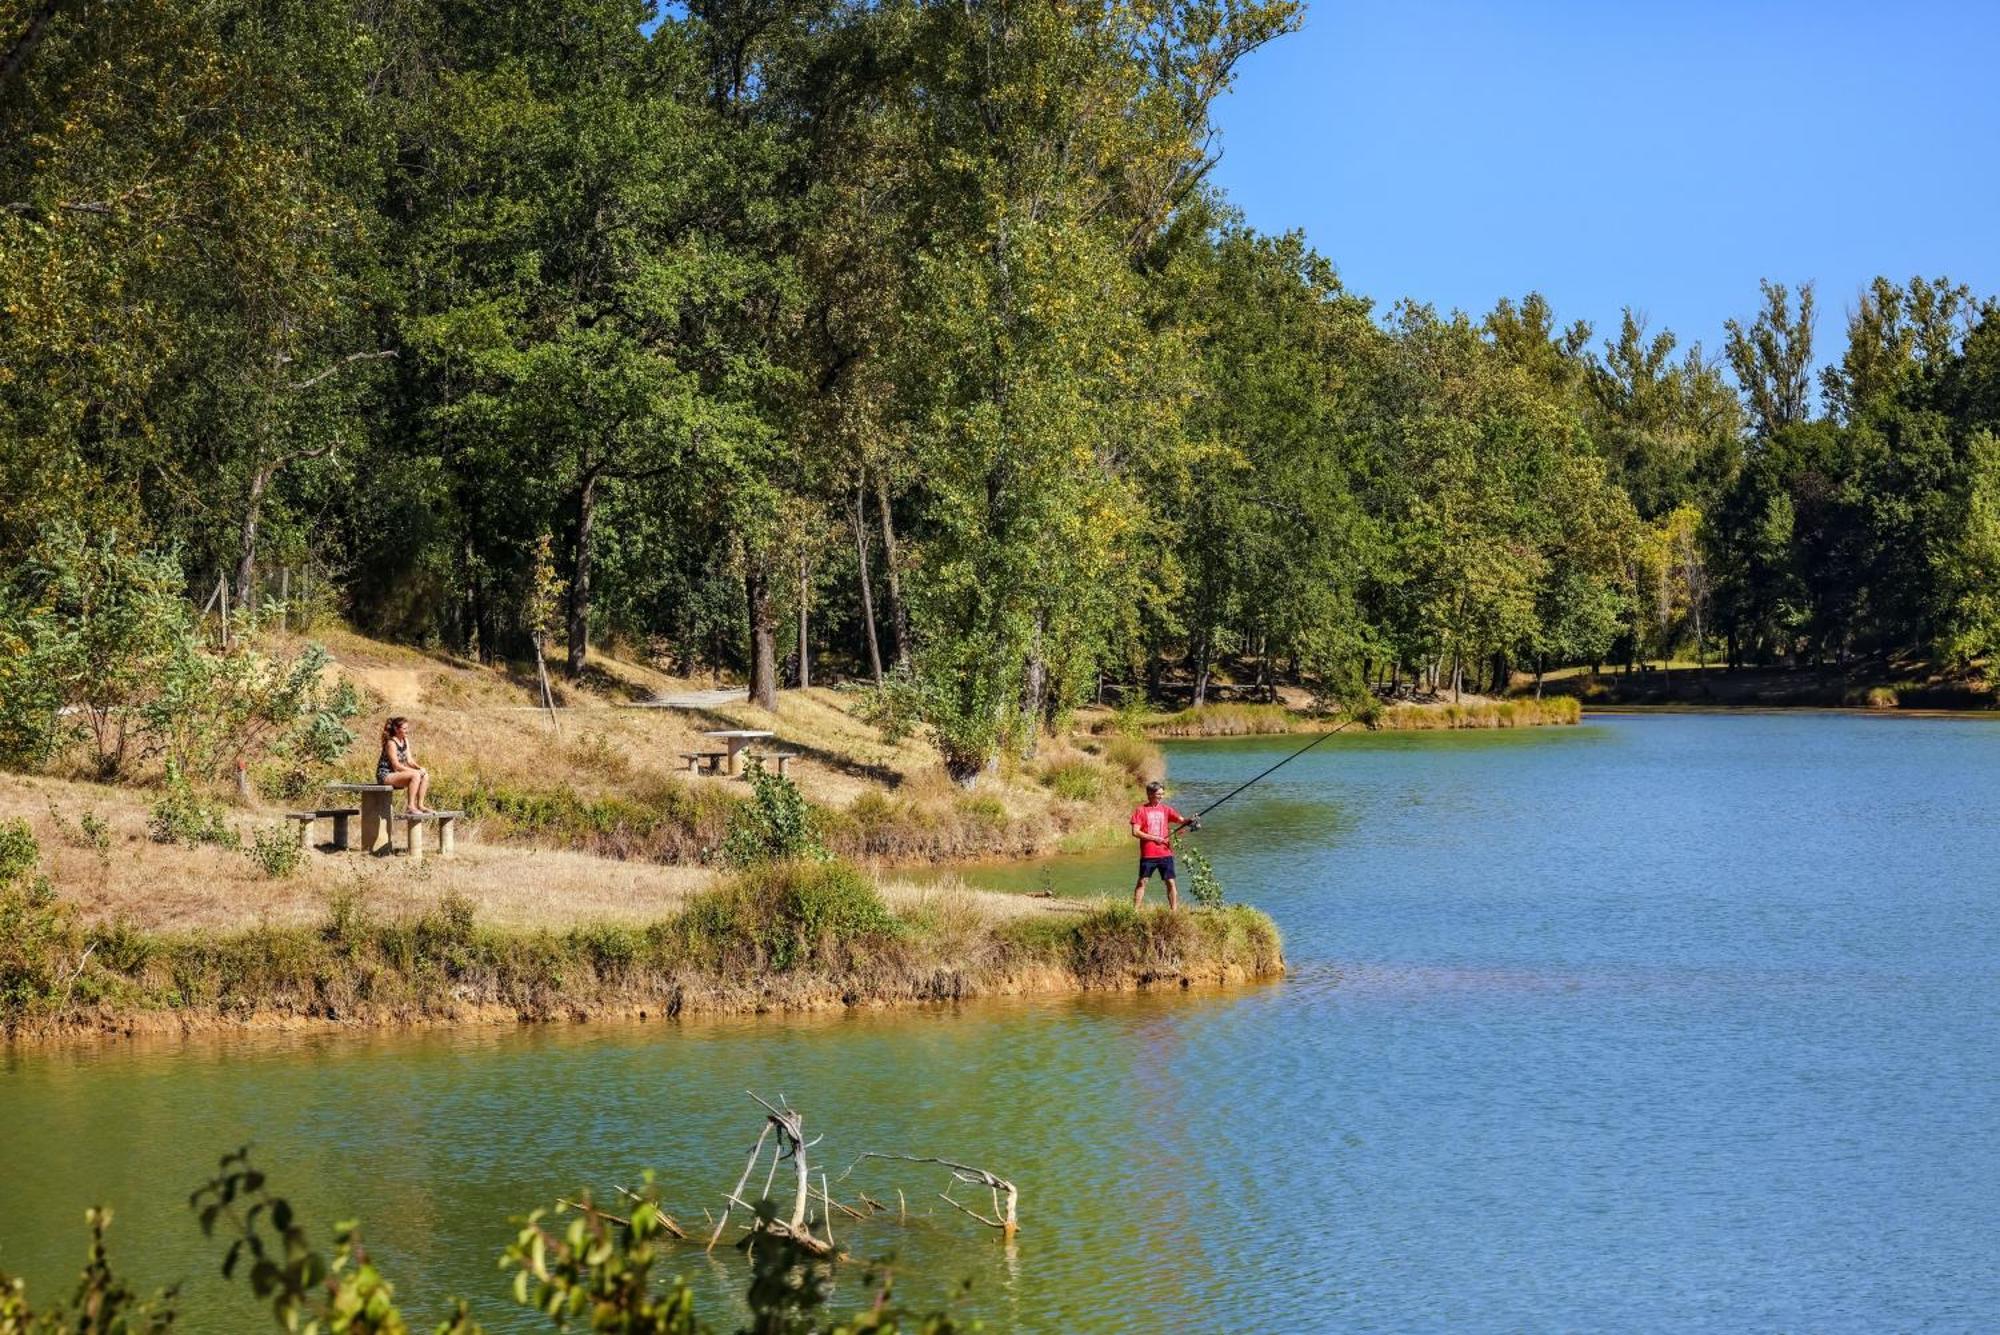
(87, 626)
(894, 708)
(1204, 887)
(275, 849)
(90, 831)
(791, 914)
(666, 820)
(776, 823)
(32, 927)
(121, 947)
(212, 709)
(1077, 780)
(183, 816)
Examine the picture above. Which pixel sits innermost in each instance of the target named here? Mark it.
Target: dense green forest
(907, 335)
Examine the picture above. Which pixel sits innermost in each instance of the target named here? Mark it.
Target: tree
(1773, 359)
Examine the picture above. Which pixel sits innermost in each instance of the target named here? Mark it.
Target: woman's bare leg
(422, 789)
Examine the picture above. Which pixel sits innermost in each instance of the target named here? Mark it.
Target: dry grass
(1255, 720)
(168, 888)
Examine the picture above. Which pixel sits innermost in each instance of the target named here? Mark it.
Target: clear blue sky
(1628, 152)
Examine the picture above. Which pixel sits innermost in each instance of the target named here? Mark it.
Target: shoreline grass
(796, 936)
(1267, 720)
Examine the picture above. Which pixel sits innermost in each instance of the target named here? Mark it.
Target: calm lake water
(1660, 1022)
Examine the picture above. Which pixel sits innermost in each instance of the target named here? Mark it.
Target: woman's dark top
(383, 769)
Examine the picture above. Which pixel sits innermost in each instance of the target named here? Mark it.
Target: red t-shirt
(1155, 821)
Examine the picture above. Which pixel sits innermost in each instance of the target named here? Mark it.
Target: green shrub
(776, 823)
(90, 831)
(121, 947)
(894, 708)
(33, 930)
(183, 816)
(210, 709)
(1077, 780)
(667, 820)
(275, 849)
(1204, 887)
(789, 914)
(87, 626)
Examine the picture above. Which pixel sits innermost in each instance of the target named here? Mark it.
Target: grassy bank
(789, 936)
(1255, 720)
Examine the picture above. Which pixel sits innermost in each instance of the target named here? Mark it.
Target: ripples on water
(1668, 1022)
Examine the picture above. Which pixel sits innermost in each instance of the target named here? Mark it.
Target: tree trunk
(805, 654)
(1541, 662)
(867, 590)
(763, 635)
(579, 585)
(899, 619)
(1201, 666)
(1034, 693)
(246, 559)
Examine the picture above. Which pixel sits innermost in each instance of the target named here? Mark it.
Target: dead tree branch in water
(1006, 1198)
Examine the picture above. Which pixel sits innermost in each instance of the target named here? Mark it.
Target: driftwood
(667, 1221)
(790, 1221)
(1006, 1197)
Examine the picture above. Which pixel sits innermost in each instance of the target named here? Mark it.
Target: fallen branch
(1005, 1197)
(666, 1220)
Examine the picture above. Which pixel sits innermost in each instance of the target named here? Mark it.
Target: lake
(1668, 1021)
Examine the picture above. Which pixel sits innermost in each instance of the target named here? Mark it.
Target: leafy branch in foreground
(595, 1272)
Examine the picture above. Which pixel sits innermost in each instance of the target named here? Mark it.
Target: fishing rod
(1274, 769)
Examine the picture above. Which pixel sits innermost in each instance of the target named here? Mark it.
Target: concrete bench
(783, 758)
(414, 822)
(710, 762)
(339, 816)
(376, 836)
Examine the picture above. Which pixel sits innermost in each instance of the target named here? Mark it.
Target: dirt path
(728, 695)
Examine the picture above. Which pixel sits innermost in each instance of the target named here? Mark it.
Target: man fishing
(1154, 824)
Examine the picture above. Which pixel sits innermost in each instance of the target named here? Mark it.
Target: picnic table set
(378, 823)
(735, 741)
(378, 816)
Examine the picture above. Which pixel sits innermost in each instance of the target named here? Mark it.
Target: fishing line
(1275, 768)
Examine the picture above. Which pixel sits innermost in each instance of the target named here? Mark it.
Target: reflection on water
(1680, 1021)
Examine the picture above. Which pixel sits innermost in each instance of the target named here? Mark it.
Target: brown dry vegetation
(1252, 720)
(608, 777)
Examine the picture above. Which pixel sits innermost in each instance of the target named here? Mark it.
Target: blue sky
(1628, 152)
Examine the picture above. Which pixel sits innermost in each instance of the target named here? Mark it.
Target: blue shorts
(1164, 866)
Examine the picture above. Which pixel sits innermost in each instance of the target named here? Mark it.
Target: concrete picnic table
(736, 739)
(376, 835)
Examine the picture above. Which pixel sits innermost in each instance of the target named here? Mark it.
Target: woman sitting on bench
(395, 769)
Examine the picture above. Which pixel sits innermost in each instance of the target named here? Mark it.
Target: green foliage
(895, 707)
(104, 1303)
(1077, 780)
(275, 851)
(659, 330)
(576, 1266)
(789, 915)
(88, 624)
(90, 830)
(776, 823)
(33, 930)
(215, 709)
(1204, 887)
(182, 815)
